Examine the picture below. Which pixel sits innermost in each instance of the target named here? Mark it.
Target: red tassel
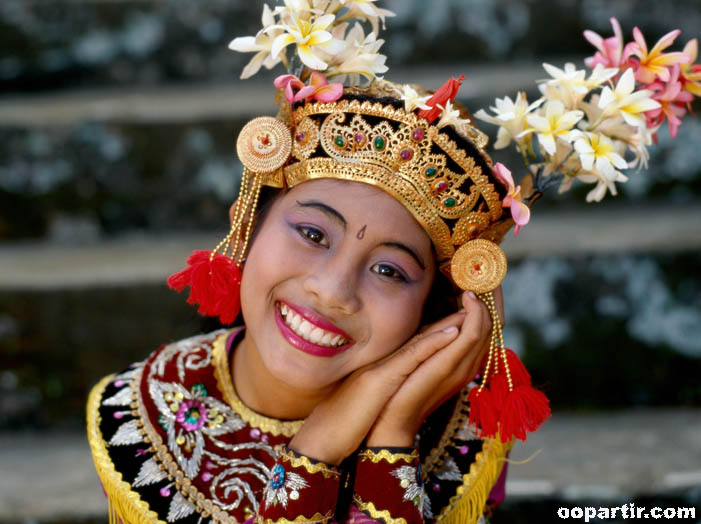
(215, 285)
(524, 410)
(519, 374)
(483, 412)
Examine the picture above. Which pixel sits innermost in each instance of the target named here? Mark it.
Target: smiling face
(335, 279)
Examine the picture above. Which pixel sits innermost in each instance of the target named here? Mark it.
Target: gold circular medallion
(478, 265)
(264, 144)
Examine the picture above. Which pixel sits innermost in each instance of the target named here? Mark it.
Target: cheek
(394, 321)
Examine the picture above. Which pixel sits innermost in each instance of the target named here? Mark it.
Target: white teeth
(305, 328)
(308, 331)
(316, 335)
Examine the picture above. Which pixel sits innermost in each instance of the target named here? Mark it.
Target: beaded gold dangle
(214, 277)
(504, 404)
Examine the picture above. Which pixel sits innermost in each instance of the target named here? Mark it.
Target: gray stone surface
(597, 457)
(225, 101)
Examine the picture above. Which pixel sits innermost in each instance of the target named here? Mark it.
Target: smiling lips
(315, 336)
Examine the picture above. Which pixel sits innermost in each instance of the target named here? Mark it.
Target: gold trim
(312, 467)
(123, 502)
(376, 513)
(317, 518)
(222, 374)
(467, 505)
(385, 454)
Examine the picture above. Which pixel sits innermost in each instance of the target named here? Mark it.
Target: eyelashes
(313, 235)
(318, 238)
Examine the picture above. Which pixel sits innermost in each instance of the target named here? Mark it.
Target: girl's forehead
(361, 204)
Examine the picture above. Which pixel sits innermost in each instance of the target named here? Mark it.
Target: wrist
(390, 438)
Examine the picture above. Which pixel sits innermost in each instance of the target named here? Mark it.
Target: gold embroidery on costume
(317, 518)
(375, 513)
(385, 454)
(223, 375)
(311, 467)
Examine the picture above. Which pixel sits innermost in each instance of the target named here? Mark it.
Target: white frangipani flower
(412, 100)
(625, 101)
(307, 35)
(366, 10)
(598, 152)
(599, 75)
(603, 183)
(556, 123)
(450, 116)
(259, 44)
(569, 78)
(359, 58)
(510, 117)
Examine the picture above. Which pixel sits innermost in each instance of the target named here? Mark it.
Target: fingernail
(471, 294)
(450, 330)
(461, 310)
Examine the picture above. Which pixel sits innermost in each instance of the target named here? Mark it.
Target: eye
(388, 271)
(313, 235)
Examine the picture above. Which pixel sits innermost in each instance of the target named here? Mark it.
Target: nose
(333, 284)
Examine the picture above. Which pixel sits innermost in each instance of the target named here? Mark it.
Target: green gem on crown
(430, 171)
(340, 141)
(449, 202)
(379, 143)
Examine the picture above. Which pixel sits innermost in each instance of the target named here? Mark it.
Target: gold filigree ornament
(479, 266)
(264, 144)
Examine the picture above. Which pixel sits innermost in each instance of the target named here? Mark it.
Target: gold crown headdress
(389, 136)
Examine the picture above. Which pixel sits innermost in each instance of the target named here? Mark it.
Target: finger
(411, 355)
(454, 319)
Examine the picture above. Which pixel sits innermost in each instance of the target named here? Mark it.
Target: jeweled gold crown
(444, 179)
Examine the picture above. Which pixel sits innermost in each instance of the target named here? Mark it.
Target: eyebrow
(406, 249)
(331, 212)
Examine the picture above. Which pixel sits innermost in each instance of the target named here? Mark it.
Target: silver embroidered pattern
(128, 375)
(150, 473)
(428, 513)
(127, 433)
(179, 508)
(293, 482)
(194, 440)
(465, 432)
(229, 488)
(407, 480)
(184, 350)
(449, 470)
(122, 398)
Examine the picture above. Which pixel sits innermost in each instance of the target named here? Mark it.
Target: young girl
(345, 394)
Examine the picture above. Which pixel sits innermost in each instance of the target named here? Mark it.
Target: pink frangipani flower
(655, 63)
(610, 51)
(672, 99)
(318, 88)
(520, 212)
